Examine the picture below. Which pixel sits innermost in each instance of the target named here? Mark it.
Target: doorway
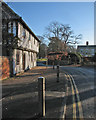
(23, 61)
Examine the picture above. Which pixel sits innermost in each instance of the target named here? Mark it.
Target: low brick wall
(4, 67)
(0, 68)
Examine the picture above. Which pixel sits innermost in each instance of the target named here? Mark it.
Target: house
(87, 50)
(19, 38)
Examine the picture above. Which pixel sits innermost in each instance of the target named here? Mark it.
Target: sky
(38, 15)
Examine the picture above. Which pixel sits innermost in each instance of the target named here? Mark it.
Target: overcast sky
(38, 15)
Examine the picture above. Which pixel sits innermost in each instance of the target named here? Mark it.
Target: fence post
(57, 73)
(41, 95)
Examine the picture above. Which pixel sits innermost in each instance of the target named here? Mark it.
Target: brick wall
(0, 68)
(4, 67)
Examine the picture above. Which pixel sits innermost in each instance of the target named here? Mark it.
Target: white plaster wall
(14, 61)
(32, 42)
(25, 41)
(30, 63)
(20, 28)
(29, 44)
(26, 60)
(32, 60)
(21, 60)
(19, 35)
(19, 67)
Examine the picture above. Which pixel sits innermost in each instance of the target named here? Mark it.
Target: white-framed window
(12, 27)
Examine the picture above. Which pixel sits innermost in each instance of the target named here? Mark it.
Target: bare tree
(43, 47)
(62, 33)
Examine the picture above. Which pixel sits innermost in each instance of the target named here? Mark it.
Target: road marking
(74, 103)
(73, 94)
(78, 99)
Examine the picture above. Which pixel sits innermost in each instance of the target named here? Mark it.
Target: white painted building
(27, 48)
(87, 50)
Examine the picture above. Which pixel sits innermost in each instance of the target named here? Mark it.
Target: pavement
(20, 94)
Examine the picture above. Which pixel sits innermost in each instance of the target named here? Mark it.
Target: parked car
(40, 64)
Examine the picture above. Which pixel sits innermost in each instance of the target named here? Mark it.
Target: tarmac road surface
(81, 96)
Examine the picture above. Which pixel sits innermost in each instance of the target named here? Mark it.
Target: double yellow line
(75, 91)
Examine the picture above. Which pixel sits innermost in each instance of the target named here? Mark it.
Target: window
(9, 27)
(24, 33)
(14, 28)
(17, 58)
(4, 31)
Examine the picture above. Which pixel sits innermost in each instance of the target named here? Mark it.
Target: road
(20, 94)
(81, 94)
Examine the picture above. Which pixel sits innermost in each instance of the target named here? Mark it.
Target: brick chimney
(87, 43)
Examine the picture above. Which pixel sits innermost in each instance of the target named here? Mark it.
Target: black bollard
(57, 73)
(41, 95)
